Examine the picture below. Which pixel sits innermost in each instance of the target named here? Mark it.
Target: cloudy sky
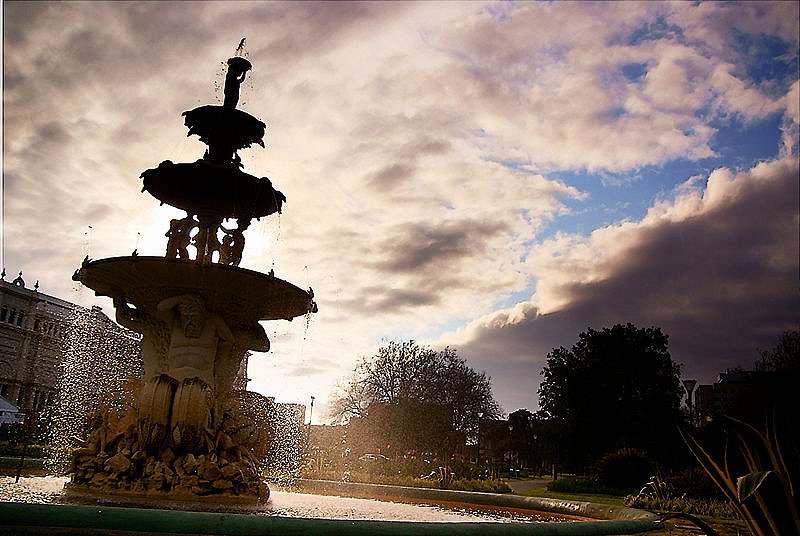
(493, 176)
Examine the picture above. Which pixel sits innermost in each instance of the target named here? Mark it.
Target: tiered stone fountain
(183, 430)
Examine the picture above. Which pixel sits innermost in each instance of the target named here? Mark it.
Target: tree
(784, 358)
(614, 388)
(433, 397)
(779, 375)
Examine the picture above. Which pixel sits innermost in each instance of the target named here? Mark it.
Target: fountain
(183, 430)
(180, 448)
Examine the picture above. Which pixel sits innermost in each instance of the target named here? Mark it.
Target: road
(519, 486)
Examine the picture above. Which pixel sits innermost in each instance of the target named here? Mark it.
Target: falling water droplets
(219, 83)
(97, 355)
(86, 242)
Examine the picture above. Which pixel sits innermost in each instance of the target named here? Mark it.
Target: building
(737, 393)
(494, 443)
(41, 335)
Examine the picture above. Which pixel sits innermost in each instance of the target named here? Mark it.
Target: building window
(3, 313)
(20, 317)
(36, 324)
(12, 318)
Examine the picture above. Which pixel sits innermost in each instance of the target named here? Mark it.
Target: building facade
(37, 334)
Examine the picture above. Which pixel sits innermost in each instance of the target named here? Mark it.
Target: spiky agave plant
(767, 494)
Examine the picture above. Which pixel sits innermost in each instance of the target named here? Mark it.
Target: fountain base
(75, 494)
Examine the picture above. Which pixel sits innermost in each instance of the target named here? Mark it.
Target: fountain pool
(34, 505)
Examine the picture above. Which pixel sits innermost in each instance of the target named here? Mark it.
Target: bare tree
(404, 375)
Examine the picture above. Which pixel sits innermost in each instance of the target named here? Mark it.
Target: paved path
(518, 486)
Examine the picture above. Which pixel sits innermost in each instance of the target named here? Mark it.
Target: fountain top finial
(237, 69)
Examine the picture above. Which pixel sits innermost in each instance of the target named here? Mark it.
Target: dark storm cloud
(424, 145)
(722, 284)
(380, 299)
(423, 246)
(300, 30)
(408, 155)
(16, 17)
(390, 176)
(52, 132)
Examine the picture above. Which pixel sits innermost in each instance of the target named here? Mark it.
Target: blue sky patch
(652, 31)
(634, 71)
(767, 60)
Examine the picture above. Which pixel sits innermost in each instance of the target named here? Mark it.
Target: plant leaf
(748, 484)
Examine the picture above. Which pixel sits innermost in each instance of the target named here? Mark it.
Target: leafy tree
(784, 357)
(776, 387)
(434, 397)
(615, 388)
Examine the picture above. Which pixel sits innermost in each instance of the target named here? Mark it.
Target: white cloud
(414, 141)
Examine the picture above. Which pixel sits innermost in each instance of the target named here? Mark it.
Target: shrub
(462, 484)
(625, 469)
(8, 448)
(486, 486)
(687, 505)
(694, 483)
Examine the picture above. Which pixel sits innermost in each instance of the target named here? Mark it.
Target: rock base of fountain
(163, 500)
(133, 459)
(136, 477)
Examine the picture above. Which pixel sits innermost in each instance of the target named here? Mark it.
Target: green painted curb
(559, 506)
(21, 518)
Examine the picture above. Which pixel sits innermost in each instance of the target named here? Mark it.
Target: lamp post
(510, 450)
(480, 416)
(308, 427)
(689, 386)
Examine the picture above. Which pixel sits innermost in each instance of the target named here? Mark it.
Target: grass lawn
(677, 527)
(615, 500)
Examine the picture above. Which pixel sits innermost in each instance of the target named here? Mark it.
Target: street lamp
(308, 428)
(480, 416)
(311, 412)
(510, 450)
(689, 386)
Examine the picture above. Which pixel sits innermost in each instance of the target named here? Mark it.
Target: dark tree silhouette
(784, 357)
(776, 386)
(617, 387)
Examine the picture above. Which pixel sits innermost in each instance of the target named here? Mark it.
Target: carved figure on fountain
(180, 236)
(237, 70)
(233, 243)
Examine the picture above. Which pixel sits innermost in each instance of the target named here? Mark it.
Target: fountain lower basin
(313, 513)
